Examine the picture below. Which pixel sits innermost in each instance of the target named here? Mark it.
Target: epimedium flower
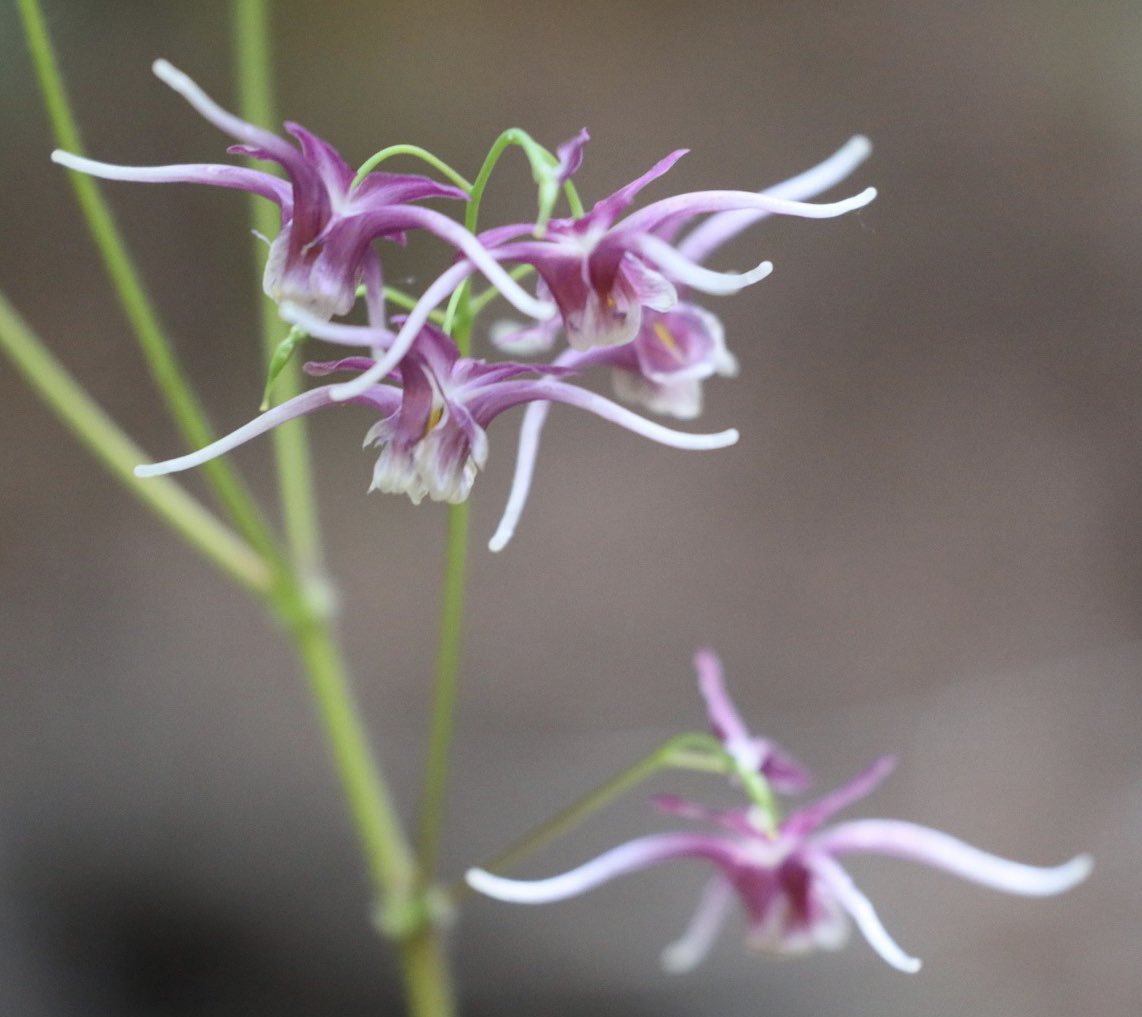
(328, 223)
(604, 271)
(673, 350)
(435, 408)
(787, 877)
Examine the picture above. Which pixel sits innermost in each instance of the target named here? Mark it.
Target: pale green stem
(403, 911)
(291, 447)
(180, 399)
(423, 154)
(690, 751)
(99, 433)
(445, 691)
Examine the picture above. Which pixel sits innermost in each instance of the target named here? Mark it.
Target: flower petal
(306, 403)
(216, 175)
(900, 839)
(687, 952)
(682, 270)
(724, 226)
(845, 892)
(530, 429)
(812, 816)
(619, 861)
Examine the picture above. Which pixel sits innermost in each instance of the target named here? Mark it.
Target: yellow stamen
(666, 338)
(433, 419)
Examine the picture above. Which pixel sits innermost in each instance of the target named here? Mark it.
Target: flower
(796, 896)
(328, 223)
(673, 349)
(604, 274)
(435, 408)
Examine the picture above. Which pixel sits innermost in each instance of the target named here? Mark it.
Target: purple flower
(604, 273)
(789, 882)
(674, 349)
(324, 250)
(434, 410)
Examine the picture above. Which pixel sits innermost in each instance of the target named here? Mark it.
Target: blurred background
(929, 540)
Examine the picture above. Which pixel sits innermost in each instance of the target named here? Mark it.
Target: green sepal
(278, 361)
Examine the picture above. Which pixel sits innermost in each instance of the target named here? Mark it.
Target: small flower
(324, 250)
(604, 274)
(795, 895)
(673, 350)
(435, 408)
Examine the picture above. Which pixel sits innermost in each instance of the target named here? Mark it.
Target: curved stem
(689, 751)
(445, 691)
(164, 368)
(435, 162)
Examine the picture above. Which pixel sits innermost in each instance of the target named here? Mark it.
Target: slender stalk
(435, 162)
(100, 434)
(374, 814)
(168, 375)
(689, 751)
(445, 691)
(392, 866)
(296, 488)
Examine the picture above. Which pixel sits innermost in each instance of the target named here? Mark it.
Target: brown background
(927, 541)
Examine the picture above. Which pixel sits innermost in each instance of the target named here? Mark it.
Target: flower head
(605, 272)
(790, 885)
(328, 223)
(435, 407)
(674, 345)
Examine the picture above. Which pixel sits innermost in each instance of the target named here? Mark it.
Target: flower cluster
(784, 873)
(614, 283)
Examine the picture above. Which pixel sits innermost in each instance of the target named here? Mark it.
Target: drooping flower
(324, 249)
(604, 272)
(673, 349)
(795, 895)
(435, 407)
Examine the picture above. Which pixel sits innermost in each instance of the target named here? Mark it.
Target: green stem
(404, 913)
(689, 751)
(296, 488)
(445, 689)
(99, 433)
(371, 806)
(168, 375)
(436, 162)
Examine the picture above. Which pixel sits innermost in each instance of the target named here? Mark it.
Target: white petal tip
(1071, 873)
(678, 959)
(484, 882)
(909, 965)
(148, 470)
(498, 542)
(865, 196)
(164, 70)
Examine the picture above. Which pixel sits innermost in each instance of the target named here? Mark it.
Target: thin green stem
(685, 751)
(481, 300)
(374, 814)
(423, 154)
(445, 691)
(296, 488)
(403, 911)
(102, 436)
(168, 375)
